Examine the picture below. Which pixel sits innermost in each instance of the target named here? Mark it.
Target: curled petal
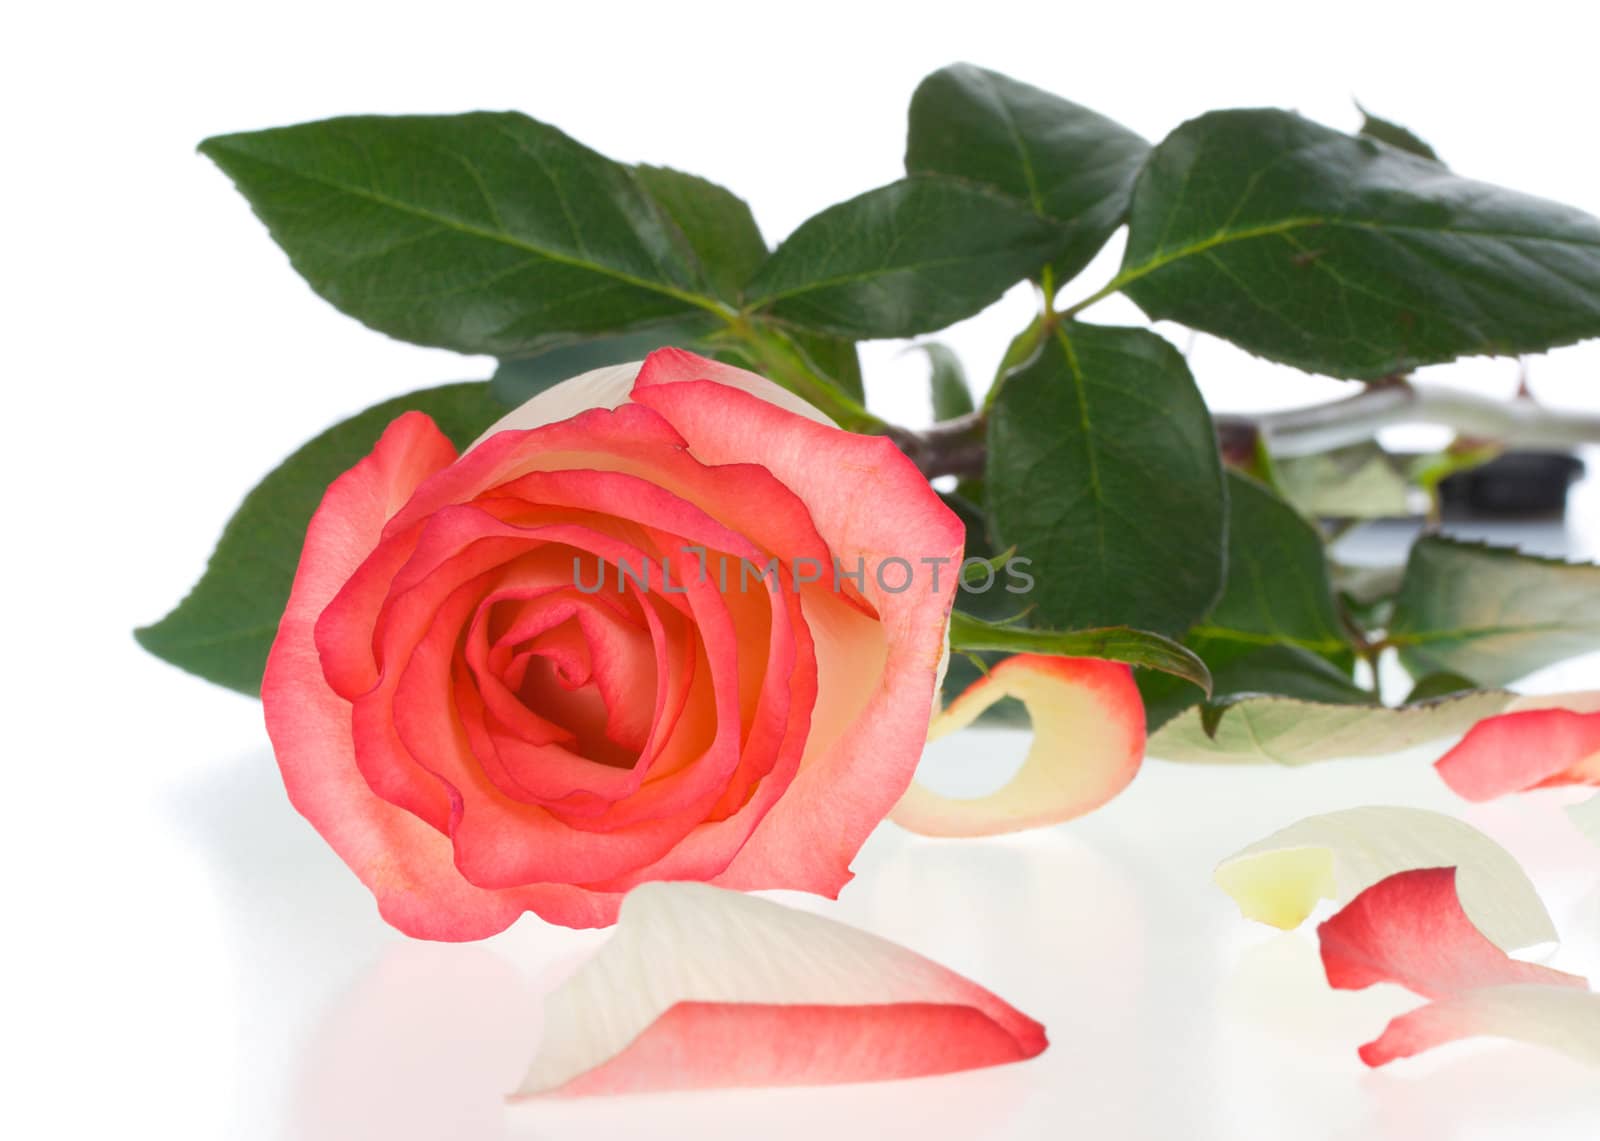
(1538, 741)
(1278, 880)
(1088, 742)
(1410, 929)
(701, 988)
(1559, 1018)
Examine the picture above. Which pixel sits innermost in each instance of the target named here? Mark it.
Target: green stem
(1371, 655)
(1113, 286)
(1518, 422)
(955, 447)
(1022, 346)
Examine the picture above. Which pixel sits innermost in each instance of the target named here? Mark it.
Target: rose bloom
(527, 678)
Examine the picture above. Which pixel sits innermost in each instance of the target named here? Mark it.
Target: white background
(182, 956)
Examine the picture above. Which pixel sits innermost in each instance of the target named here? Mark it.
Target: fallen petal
(1556, 1017)
(1410, 929)
(1278, 880)
(1539, 741)
(1088, 742)
(701, 988)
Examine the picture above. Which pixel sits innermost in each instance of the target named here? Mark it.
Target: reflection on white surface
(422, 1045)
(1167, 1013)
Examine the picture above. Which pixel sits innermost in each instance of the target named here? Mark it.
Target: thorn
(1523, 391)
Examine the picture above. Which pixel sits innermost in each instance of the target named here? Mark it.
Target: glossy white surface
(185, 959)
(262, 998)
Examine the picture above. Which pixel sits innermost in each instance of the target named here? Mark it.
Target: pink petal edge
(1557, 1018)
(703, 988)
(1524, 749)
(871, 719)
(1088, 744)
(1409, 928)
(407, 864)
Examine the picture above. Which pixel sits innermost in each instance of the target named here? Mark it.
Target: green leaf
(1069, 165)
(835, 359)
(224, 628)
(1286, 731)
(1277, 590)
(1395, 135)
(1276, 629)
(903, 259)
(1367, 592)
(1103, 469)
(1238, 668)
(947, 381)
(1022, 347)
(523, 378)
(1282, 670)
(1118, 644)
(995, 604)
(483, 233)
(1348, 257)
(978, 544)
(1273, 671)
(1355, 482)
(1439, 685)
(717, 224)
(1492, 614)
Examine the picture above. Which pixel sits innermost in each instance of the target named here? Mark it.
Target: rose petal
(1410, 929)
(1279, 879)
(880, 655)
(701, 988)
(613, 386)
(1555, 1017)
(489, 542)
(500, 842)
(1537, 741)
(599, 388)
(462, 545)
(507, 737)
(599, 439)
(1088, 742)
(869, 503)
(407, 864)
(587, 643)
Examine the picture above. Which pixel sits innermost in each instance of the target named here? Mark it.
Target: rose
(528, 678)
